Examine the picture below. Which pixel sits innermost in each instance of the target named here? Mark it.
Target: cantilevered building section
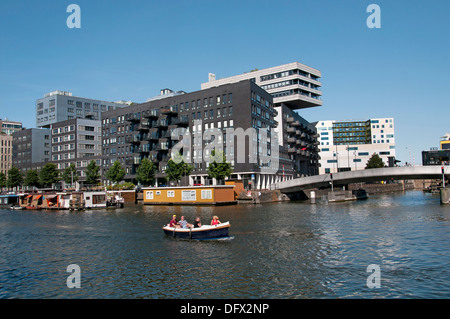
(293, 86)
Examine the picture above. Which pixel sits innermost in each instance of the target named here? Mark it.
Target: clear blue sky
(131, 49)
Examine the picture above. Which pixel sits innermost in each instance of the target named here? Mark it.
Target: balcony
(151, 114)
(169, 110)
(181, 121)
(291, 129)
(161, 123)
(132, 118)
(289, 120)
(136, 139)
(292, 150)
(152, 136)
(143, 126)
(296, 123)
(145, 148)
(291, 140)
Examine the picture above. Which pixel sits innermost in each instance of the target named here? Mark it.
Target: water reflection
(279, 250)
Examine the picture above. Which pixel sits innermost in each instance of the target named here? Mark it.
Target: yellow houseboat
(190, 195)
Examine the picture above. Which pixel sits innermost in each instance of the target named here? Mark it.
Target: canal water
(278, 250)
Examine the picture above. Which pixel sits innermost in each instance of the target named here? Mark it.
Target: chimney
(211, 77)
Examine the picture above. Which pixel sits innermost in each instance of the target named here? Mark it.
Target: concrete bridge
(360, 176)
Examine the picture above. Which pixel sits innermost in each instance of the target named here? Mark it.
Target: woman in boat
(215, 221)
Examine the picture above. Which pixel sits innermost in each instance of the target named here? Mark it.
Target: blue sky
(131, 49)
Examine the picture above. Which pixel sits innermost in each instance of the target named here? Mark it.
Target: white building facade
(348, 145)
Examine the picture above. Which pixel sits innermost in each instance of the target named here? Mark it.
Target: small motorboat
(16, 207)
(204, 232)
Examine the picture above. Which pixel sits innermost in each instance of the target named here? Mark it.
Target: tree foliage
(375, 161)
(2, 180)
(218, 167)
(176, 168)
(15, 177)
(70, 174)
(116, 172)
(146, 172)
(32, 178)
(92, 173)
(49, 175)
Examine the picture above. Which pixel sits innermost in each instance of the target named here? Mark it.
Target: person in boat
(174, 222)
(184, 224)
(197, 223)
(215, 221)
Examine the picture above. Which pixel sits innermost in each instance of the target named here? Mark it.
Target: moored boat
(204, 232)
(9, 200)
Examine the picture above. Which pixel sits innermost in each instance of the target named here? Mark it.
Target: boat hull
(205, 232)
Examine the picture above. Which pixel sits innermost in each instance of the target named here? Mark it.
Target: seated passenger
(197, 223)
(215, 221)
(184, 224)
(174, 222)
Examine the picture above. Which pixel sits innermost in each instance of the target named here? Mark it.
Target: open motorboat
(204, 232)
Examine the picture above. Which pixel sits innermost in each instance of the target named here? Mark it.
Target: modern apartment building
(5, 152)
(348, 145)
(31, 148)
(9, 127)
(60, 106)
(211, 116)
(293, 86)
(76, 141)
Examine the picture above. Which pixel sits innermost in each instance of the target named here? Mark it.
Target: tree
(176, 168)
(69, 175)
(2, 180)
(92, 173)
(32, 178)
(49, 175)
(15, 177)
(375, 161)
(218, 167)
(115, 173)
(146, 172)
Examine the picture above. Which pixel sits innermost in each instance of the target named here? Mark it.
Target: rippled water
(279, 250)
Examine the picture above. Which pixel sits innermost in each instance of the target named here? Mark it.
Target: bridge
(360, 176)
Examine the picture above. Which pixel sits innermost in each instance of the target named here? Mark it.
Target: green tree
(2, 180)
(177, 168)
(15, 177)
(92, 173)
(49, 175)
(115, 173)
(32, 178)
(146, 172)
(375, 161)
(218, 167)
(70, 174)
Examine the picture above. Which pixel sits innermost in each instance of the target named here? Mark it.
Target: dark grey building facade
(146, 131)
(31, 148)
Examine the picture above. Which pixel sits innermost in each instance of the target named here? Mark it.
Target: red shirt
(173, 222)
